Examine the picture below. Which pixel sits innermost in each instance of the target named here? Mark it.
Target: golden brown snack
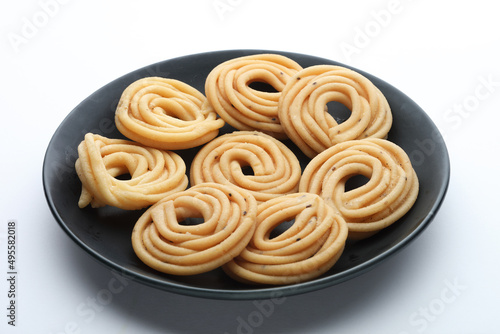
(163, 242)
(166, 114)
(275, 170)
(391, 191)
(303, 108)
(228, 90)
(153, 173)
(307, 249)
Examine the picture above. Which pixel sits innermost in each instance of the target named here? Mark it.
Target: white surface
(440, 54)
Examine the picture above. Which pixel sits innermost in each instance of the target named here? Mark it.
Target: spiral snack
(391, 191)
(307, 249)
(228, 90)
(303, 108)
(166, 114)
(275, 170)
(163, 242)
(153, 173)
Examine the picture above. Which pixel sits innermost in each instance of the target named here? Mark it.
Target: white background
(443, 54)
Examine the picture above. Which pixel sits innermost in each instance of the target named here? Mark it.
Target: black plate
(105, 233)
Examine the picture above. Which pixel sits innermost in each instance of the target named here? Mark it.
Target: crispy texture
(391, 191)
(303, 108)
(166, 114)
(228, 91)
(153, 173)
(164, 243)
(276, 170)
(306, 250)
(245, 184)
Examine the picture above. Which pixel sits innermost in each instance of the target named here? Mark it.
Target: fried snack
(166, 114)
(306, 250)
(390, 192)
(228, 90)
(153, 173)
(304, 115)
(163, 242)
(250, 160)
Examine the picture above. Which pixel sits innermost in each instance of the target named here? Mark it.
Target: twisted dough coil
(228, 90)
(154, 173)
(307, 249)
(390, 192)
(163, 243)
(303, 108)
(276, 170)
(166, 114)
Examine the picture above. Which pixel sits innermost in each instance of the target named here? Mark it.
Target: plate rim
(264, 292)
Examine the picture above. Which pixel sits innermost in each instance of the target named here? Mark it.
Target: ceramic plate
(105, 232)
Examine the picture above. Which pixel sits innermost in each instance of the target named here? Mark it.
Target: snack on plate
(153, 173)
(250, 160)
(165, 242)
(245, 186)
(166, 114)
(390, 192)
(229, 91)
(307, 249)
(304, 115)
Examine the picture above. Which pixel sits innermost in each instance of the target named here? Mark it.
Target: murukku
(168, 239)
(303, 110)
(389, 193)
(166, 114)
(229, 90)
(307, 249)
(250, 160)
(103, 162)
